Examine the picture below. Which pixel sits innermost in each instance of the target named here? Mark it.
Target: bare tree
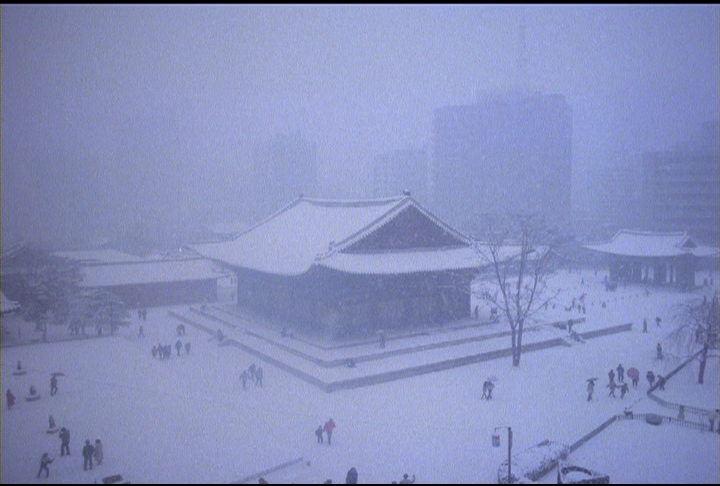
(697, 331)
(518, 255)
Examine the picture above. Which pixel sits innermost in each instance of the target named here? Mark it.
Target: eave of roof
(309, 232)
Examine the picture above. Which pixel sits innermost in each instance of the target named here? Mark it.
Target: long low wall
(408, 372)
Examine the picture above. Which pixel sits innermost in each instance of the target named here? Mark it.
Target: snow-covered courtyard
(187, 419)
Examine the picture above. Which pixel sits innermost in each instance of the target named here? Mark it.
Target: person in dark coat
(328, 428)
(352, 476)
(661, 382)
(319, 434)
(53, 385)
(178, 347)
(10, 399)
(88, 451)
(620, 373)
(623, 390)
(44, 461)
(64, 441)
(259, 377)
(650, 378)
(590, 389)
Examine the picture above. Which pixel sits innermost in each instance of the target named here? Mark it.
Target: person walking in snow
(661, 382)
(98, 453)
(590, 389)
(650, 378)
(88, 451)
(251, 371)
(645, 325)
(53, 385)
(10, 399)
(319, 434)
(623, 390)
(178, 347)
(64, 441)
(659, 351)
(244, 379)
(259, 377)
(44, 461)
(612, 387)
(328, 428)
(620, 373)
(489, 385)
(611, 376)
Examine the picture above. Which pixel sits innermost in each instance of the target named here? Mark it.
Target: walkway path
(361, 363)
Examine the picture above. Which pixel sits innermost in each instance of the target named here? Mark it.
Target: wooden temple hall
(351, 268)
(658, 258)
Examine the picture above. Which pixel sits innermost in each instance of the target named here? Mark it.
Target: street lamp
(496, 443)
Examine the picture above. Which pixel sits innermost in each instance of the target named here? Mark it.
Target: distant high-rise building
(682, 187)
(506, 154)
(283, 168)
(401, 170)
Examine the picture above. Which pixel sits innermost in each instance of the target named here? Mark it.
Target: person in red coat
(328, 428)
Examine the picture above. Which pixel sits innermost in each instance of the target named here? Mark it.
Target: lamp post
(496, 443)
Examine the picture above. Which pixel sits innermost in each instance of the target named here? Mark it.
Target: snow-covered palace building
(351, 268)
(661, 258)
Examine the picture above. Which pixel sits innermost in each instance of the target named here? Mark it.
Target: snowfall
(188, 419)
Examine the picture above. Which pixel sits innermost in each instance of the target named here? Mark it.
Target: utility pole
(496, 443)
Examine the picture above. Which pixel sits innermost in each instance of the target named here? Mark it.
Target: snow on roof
(404, 262)
(311, 231)
(649, 244)
(148, 272)
(97, 256)
(9, 305)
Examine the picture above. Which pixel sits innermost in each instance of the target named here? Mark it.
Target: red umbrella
(633, 373)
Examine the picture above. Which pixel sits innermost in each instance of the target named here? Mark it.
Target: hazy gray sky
(114, 114)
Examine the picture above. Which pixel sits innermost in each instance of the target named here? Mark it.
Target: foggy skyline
(117, 115)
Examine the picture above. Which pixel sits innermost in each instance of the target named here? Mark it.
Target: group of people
(621, 384)
(33, 393)
(325, 429)
(254, 373)
(164, 351)
(90, 452)
(658, 320)
(352, 478)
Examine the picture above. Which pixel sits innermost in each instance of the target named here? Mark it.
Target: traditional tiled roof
(650, 244)
(110, 268)
(148, 272)
(312, 232)
(9, 305)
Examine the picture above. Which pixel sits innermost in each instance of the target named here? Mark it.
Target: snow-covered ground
(188, 420)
